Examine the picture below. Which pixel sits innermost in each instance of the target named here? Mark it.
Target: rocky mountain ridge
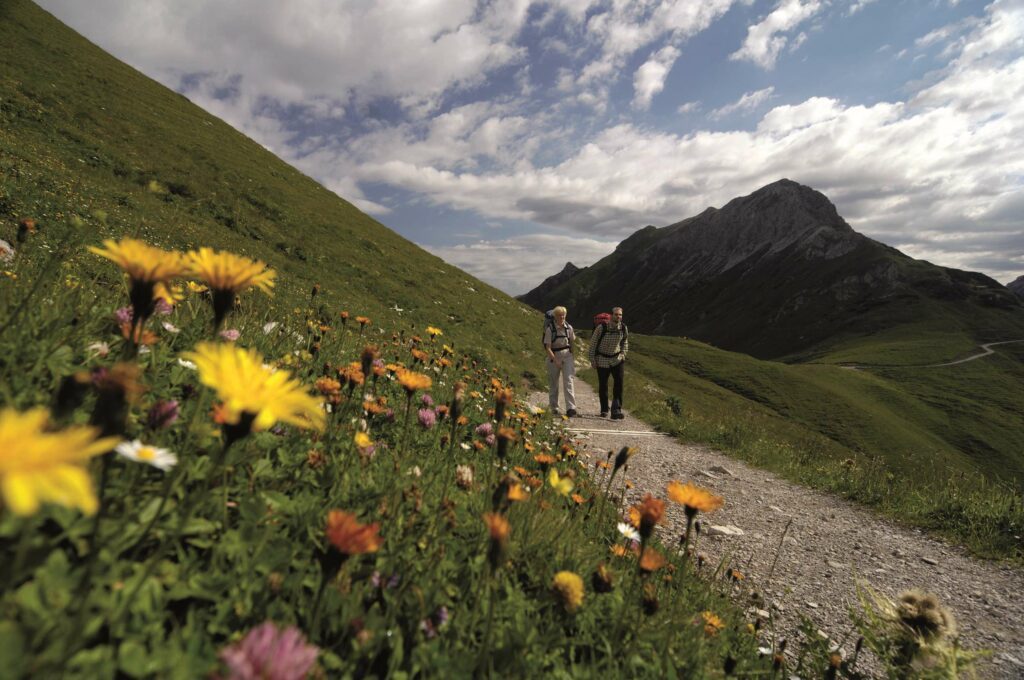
(769, 274)
(1017, 286)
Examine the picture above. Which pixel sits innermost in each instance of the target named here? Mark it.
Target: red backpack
(602, 318)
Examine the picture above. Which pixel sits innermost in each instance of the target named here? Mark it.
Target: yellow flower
(37, 466)
(363, 440)
(517, 492)
(433, 332)
(569, 589)
(253, 392)
(712, 624)
(172, 295)
(693, 497)
(142, 262)
(226, 272)
(562, 485)
(412, 381)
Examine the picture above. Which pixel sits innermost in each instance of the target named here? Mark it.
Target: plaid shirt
(613, 341)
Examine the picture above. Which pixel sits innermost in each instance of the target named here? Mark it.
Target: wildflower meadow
(198, 482)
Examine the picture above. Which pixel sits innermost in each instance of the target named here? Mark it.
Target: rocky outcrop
(769, 274)
(1017, 286)
(540, 292)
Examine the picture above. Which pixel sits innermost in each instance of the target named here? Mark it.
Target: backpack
(549, 322)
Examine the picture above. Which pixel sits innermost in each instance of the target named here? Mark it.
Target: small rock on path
(829, 544)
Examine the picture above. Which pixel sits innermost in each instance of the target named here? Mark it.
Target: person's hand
(593, 364)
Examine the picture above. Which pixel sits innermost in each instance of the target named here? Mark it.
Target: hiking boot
(604, 414)
(618, 415)
(571, 413)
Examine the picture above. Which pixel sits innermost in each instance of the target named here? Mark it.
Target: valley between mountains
(802, 552)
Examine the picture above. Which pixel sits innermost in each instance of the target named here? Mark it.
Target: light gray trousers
(567, 371)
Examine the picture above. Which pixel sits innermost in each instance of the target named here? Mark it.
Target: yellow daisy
(693, 498)
(252, 392)
(142, 262)
(562, 485)
(568, 587)
(148, 267)
(37, 466)
(227, 275)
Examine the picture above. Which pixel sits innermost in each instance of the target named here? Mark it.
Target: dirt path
(829, 543)
(986, 350)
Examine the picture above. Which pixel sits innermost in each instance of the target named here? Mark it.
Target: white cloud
(518, 265)
(858, 5)
(747, 102)
(764, 40)
(688, 107)
(649, 79)
(300, 50)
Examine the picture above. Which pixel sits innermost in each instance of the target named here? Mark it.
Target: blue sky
(509, 137)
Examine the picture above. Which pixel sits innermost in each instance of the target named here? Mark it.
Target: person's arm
(592, 350)
(625, 342)
(547, 343)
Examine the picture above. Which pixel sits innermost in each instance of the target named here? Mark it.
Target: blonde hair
(560, 310)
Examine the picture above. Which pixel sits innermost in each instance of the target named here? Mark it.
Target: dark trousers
(616, 372)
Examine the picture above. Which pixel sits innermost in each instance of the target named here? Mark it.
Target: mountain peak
(1017, 286)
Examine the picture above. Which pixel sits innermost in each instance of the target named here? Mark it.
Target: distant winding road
(987, 350)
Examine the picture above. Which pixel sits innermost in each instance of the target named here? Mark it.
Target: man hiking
(608, 348)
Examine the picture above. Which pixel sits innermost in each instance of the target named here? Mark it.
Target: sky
(511, 136)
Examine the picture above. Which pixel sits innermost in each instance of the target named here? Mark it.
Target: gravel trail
(829, 544)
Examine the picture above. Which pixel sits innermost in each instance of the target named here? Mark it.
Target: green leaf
(12, 651)
(133, 659)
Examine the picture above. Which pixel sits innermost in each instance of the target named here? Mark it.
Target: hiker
(558, 339)
(608, 347)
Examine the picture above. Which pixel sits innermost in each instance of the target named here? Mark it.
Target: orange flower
(652, 511)
(619, 550)
(412, 381)
(498, 529)
(140, 336)
(352, 374)
(327, 386)
(712, 624)
(521, 470)
(516, 492)
(363, 321)
(580, 500)
(420, 355)
(349, 536)
(694, 498)
(651, 560)
(544, 458)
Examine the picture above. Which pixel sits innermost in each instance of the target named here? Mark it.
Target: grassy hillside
(939, 447)
(85, 138)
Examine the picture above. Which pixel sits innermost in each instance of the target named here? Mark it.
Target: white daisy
(144, 453)
(628, 531)
(187, 364)
(170, 327)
